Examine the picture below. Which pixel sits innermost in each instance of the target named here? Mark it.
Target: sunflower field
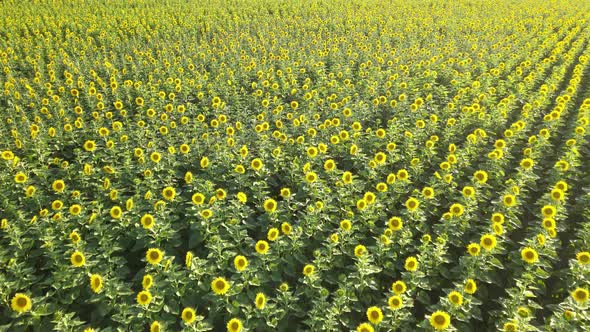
(308, 165)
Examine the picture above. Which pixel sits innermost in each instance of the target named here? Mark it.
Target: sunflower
(374, 315)
(188, 315)
(21, 303)
(156, 327)
(270, 205)
(583, 257)
(481, 176)
(411, 264)
(360, 250)
(204, 163)
(169, 193)
(473, 249)
(509, 200)
(488, 242)
(116, 212)
(147, 221)
(198, 198)
(548, 223)
(497, 218)
(234, 325)
(256, 164)
(58, 186)
(527, 164)
(286, 228)
(580, 295)
(511, 326)
(428, 192)
(311, 177)
(147, 281)
(529, 255)
(144, 298)
(308, 270)
(468, 192)
(89, 146)
(260, 301)
(220, 286)
(77, 259)
(455, 298)
(240, 263)
(412, 204)
(273, 234)
(399, 287)
(557, 195)
(470, 286)
(345, 225)
(155, 157)
(548, 211)
(329, 165)
(347, 177)
(154, 256)
(20, 177)
(440, 320)
(74, 237)
(457, 209)
(365, 327)
(395, 302)
(395, 223)
(262, 247)
(206, 214)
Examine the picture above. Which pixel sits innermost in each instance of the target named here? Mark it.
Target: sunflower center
(154, 255)
(78, 259)
(220, 284)
(374, 314)
(21, 302)
(439, 319)
(529, 255)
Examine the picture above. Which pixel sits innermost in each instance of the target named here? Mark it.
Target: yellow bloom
(154, 256)
(260, 301)
(580, 295)
(58, 186)
(440, 320)
(234, 325)
(262, 247)
(21, 303)
(147, 221)
(411, 264)
(156, 327)
(147, 281)
(240, 263)
(144, 298)
(412, 204)
(20, 177)
(359, 250)
(256, 164)
(169, 193)
(395, 302)
(219, 286)
(548, 211)
(365, 327)
(470, 286)
(78, 259)
(473, 249)
(395, 223)
(455, 298)
(270, 205)
(456, 209)
(509, 200)
(374, 315)
(188, 315)
(89, 146)
(488, 242)
(583, 257)
(529, 255)
(308, 270)
(399, 287)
